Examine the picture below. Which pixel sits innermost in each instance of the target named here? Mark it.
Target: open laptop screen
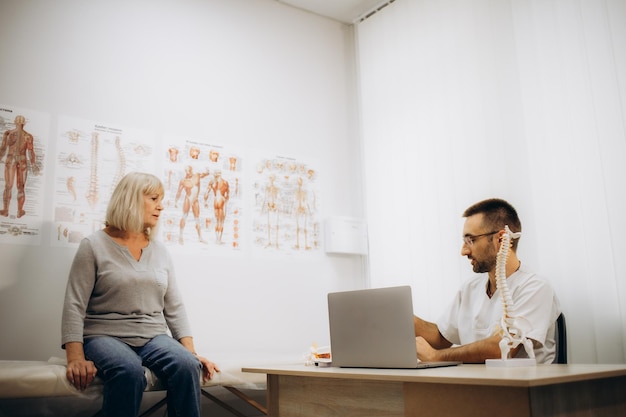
(372, 328)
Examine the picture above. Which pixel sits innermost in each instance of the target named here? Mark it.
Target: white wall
(519, 99)
(251, 74)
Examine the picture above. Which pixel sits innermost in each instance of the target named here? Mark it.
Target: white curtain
(519, 99)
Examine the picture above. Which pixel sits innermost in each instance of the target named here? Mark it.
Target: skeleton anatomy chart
(203, 197)
(285, 206)
(22, 157)
(91, 158)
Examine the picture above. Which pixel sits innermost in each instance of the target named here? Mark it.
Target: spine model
(513, 329)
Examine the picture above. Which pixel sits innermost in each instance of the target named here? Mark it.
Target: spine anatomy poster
(25, 134)
(91, 158)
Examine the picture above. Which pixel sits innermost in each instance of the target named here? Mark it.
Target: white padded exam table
(38, 388)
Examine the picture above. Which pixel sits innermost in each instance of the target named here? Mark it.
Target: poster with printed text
(91, 158)
(203, 197)
(285, 206)
(25, 134)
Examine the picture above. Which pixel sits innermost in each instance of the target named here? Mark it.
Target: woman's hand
(80, 373)
(208, 368)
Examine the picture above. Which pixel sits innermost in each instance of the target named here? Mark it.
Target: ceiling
(346, 11)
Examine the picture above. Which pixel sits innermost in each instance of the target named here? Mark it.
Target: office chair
(561, 340)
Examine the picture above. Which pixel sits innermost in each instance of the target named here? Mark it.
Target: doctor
(468, 330)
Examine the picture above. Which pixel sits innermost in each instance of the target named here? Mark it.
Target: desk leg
(272, 395)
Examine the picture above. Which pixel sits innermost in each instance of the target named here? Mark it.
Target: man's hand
(425, 351)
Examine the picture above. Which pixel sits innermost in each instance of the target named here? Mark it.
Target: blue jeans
(120, 366)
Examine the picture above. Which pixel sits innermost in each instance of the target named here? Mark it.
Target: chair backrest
(561, 340)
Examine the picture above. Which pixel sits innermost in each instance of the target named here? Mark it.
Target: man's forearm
(476, 352)
(430, 332)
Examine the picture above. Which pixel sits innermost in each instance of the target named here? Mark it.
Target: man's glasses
(469, 239)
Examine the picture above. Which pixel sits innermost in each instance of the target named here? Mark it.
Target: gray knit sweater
(110, 293)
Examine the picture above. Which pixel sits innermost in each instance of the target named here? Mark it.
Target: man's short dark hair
(497, 214)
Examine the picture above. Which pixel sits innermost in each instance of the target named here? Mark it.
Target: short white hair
(126, 207)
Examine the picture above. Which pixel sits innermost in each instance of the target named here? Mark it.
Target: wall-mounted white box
(345, 235)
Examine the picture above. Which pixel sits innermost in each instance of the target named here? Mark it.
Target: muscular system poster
(203, 197)
(25, 134)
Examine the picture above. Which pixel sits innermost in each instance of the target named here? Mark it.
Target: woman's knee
(188, 364)
(128, 374)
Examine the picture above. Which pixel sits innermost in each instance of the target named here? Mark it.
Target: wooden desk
(465, 390)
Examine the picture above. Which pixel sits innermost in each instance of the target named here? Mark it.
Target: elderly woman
(121, 305)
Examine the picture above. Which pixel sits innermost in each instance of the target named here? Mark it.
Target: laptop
(373, 328)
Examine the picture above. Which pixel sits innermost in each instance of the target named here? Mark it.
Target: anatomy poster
(203, 197)
(286, 216)
(91, 158)
(25, 134)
